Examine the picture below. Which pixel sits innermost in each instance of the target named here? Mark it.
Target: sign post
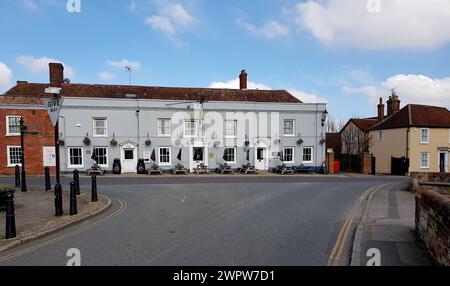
(53, 106)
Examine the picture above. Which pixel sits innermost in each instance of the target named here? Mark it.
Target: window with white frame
(229, 155)
(164, 127)
(100, 128)
(13, 125)
(424, 135)
(230, 128)
(101, 154)
(289, 127)
(190, 128)
(424, 160)
(308, 155)
(75, 157)
(380, 135)
(14, 156)
(165, 156)
(288, 155)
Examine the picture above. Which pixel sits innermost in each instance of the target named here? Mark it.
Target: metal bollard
(17, 173)
(76, 179)
(58, 200)
(48, 184)
(10, 219)
(94, 197)
(73, 199)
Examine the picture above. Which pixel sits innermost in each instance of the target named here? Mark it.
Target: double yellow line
(343, 236)
(122, 208)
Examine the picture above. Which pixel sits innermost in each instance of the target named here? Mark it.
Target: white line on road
(122, 208)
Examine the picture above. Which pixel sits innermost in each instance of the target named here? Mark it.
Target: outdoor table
(246, 169)
(224, 169)
(202, 169)
(179, 169)
(155, 170)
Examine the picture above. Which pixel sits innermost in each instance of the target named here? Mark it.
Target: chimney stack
(243, 80)
(56, 74)
(393, 104)
(381, 110)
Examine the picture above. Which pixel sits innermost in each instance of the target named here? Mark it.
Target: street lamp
(324, 117)
(23, 131)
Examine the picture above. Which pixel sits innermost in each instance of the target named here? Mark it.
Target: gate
(399, 166)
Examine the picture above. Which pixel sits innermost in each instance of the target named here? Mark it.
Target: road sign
(53, 106)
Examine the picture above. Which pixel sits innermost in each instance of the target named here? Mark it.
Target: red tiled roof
(150, 92)
(414, 115)
(364, 124)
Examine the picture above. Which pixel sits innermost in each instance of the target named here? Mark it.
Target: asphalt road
(206, 221)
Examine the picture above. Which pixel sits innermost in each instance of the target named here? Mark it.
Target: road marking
(343, 234)
(181, 200)
(122, 208)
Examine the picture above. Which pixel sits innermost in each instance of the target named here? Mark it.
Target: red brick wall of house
(36, 120)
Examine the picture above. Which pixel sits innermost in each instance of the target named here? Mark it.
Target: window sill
(100, 136)
(13, 166)
(13, 135)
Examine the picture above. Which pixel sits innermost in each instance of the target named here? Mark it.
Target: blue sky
(345, 52)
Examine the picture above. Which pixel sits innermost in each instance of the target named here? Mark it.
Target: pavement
(195, 221)
(388, 227)
(34, 214)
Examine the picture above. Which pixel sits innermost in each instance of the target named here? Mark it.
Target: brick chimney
(393, 104)
(243, 80)
(56, 74)
(381, 110)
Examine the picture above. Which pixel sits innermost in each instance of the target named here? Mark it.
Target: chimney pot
(393, 104)
(381, 110)
(243, 80)
(56, 74)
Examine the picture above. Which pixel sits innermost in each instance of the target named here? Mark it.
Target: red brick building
(35, 117)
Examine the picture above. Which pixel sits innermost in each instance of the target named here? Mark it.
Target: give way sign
(53, 106)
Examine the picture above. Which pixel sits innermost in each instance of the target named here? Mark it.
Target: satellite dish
(66, 80)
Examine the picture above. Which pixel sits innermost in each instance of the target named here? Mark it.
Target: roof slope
(414, 115)
(25, 89)
(362, 123)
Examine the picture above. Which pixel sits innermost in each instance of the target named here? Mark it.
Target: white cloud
(234, 84)
(5, 77)
(270, 30)
(303, 96)
(40, 65)
(122, 63)
(412, 89)
(307, 97)
(30, 5)
(162, 24)
(106, 76)
(172, 19)
(400, 24)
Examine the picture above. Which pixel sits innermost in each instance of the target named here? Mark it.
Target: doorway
(261, 159)
(128, 158)
(443, 161)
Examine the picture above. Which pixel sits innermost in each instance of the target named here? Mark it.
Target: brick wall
(433, 224)
(36, 120)
(418, 178)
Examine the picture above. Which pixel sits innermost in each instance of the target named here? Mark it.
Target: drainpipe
(138, 111)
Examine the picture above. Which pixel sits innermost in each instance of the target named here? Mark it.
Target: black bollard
(76, 179)
(17, 176)
(58, 200)
(94, 197)
(73, 199)
(10, 219)
(48, 184)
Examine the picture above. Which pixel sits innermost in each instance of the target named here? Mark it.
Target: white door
(443, 161)
(261, 159)
(129, 159)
